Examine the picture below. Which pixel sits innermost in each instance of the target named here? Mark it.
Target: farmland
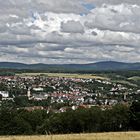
(94, 136)
(66, 75)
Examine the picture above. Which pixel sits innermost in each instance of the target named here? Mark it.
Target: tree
(21, 101)
(135, 115)
(0, 97)
(116, 119)
(20, 126)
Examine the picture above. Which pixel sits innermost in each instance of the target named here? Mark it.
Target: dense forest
(125, 73)
(22, 122)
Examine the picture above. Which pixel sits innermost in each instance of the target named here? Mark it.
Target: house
(40, 97)
(38, 89)
(34, 108)
(5, 94)
(74, 107)
(89, 100)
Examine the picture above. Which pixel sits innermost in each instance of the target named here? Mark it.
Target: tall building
(125, 96)
(29, 92)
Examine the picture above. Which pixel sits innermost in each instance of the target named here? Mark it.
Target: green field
(135, 78)
(66, 75)
(94, 136)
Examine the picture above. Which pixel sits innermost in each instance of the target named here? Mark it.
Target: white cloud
(68, 31)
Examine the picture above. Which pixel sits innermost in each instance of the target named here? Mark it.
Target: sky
(69, 31)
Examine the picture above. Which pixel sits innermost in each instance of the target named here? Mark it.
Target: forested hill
(105, 65)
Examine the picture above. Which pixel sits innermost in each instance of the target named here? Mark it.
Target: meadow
(93, 136)
(66, 75)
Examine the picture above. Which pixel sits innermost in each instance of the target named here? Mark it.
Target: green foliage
(22, 122)
(3, 87)
(116, 119)
(88, 120)
(3, 73)
(21, 101)
(135, 115)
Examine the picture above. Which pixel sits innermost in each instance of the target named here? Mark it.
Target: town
(59, 94)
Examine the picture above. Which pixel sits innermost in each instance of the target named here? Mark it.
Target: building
(5, 94)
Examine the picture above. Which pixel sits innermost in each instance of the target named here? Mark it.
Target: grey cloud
(20, 30)
(114, 2)
(72, 27)
(94, 33)
(51, 31)
(125, 20)
(2, 28)
(62, 6)
(25, 7)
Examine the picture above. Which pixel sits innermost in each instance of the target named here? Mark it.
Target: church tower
(29, 93)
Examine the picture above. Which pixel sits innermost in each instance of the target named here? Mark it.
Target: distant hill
(99, 66)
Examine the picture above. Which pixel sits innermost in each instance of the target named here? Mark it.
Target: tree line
(22, 122)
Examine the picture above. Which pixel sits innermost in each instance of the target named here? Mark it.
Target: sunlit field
(94, 136)
(66, 75)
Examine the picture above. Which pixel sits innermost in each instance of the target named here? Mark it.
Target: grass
(93, 136)
(125, 82)
(134, 78)
(66, 75)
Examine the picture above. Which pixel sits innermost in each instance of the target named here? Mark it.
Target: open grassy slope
(66, 75)
(94, 136)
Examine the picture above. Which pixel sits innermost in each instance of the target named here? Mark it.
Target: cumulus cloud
(113, 2)
(121, 17)
(69, 31)
(72, 27)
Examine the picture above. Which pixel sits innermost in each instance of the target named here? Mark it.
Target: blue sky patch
(89, 6)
